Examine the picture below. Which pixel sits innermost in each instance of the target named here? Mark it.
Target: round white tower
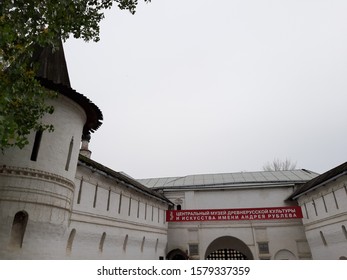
(37, 182)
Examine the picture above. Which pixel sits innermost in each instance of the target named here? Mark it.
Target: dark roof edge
(320, 180)
(53, 74)
(123, 178)
(93, 113)
(236, 185)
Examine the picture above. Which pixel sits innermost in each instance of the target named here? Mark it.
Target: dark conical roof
(53, 74)
(52, 65)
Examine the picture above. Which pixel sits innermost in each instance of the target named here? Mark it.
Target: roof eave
(299, 194)
(127, 181)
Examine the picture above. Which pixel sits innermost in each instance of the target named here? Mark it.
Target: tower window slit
(69, 155)
(36, 146)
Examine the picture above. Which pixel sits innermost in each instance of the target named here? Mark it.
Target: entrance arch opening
(228, 248)
(176, 254)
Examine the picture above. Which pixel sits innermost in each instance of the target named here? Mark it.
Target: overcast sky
(197, 86)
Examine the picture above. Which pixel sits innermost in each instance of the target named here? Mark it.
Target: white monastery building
(57, 203)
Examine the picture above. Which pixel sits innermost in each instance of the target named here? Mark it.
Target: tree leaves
(23, 26)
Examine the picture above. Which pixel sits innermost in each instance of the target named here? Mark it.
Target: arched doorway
(228, 248)
(176, 254)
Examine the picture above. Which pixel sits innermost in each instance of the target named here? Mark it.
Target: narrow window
(323, 238)
(344, 231)
(158, 215)
(179, 207)
(129, 210)
(146, 211)
(19, 224)
(36, 147)
(138, 209)
(306, 211)
(120, 202)
(80, 192)
(345, 187)
(164, 217)
(69, 155)
(325, 206)
(315, 208)
(337, 205)
(125, 243)
(95, 196)
(152, 212)
(156, 245)
(143, 244)
(108, 200)
(102, 241)
(70, 241)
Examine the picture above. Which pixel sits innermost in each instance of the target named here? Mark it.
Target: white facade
(53, 208)
(39, 184)
(324, 203)
(55, 205)
(282, 238)
(115, 220)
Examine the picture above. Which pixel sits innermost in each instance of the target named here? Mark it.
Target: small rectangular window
(263, 247)
(194, 249)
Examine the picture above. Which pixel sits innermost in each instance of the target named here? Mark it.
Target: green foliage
(25, 25)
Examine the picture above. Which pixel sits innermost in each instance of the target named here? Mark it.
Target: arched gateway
(228, 248)
(176, 254)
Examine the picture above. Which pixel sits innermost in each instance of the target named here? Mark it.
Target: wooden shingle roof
(53, 74)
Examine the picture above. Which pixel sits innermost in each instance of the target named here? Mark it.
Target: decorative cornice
(36, 174)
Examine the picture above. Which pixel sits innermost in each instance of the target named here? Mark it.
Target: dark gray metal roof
(321, 180)
(231, 179)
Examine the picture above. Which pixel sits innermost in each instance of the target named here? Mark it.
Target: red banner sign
(208, 215)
